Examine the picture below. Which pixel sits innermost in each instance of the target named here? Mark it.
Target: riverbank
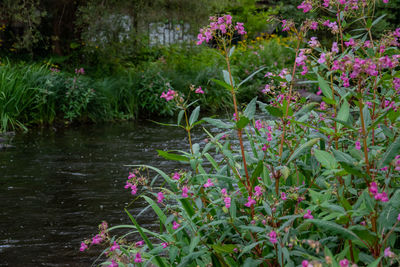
(51, 93)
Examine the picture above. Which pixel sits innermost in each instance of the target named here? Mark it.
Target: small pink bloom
(131, 175)
(358, 145)
(176, 176)
(305, 5)
(250, 202)
(319, 91)
(139, 243)
(322, 106)
(164, 245)
(115, 246)
(83, 247)
(305, 263)
(227, 201)
(160, 197)
(209, 183)
(96, 240)
(344, 263)
(398, 217)
(272, 237)
(113, 264)
(134, 189)
(388, 253)
(185, 191)
(258, 191)
(138, 258)
(308, 215)
(283, 196)
(199, 91)
(223, 191)
(175, 225)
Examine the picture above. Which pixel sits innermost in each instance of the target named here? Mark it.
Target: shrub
(317, 184)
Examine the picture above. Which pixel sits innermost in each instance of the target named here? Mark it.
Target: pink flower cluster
(397, 163)
(272, 237)
(373, 189)
(227, 199)
(331, 25)
(209, 183)
(305, 5)
(308, 215)
(219, 25)
(169, 95)
(344, 263)
(80, 71)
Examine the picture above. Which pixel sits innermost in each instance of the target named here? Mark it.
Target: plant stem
(239, 131)
(364, 137)
(289, 98)
(188, 131)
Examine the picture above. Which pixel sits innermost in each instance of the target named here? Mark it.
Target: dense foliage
(313, 184)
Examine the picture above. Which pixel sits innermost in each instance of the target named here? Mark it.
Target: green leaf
(231, 51)
(257, 171)
(195, 241)
(326, 159)
(377, 20)
(250, 76)
(326, 90)
(172, 156)
(218, 123)
(390, 153)
(145, 238)
(250, 110)
(180, 116)
(350, 168)
(227, 78)
(333, 228)
(342, 157)
(242, 122)
(344, 112)
(388, 216)
(194, 116)
(300, 150)
(375, 263)
(222, 84)
(274, 111)
(224, 248)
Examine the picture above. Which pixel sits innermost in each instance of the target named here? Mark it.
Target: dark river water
(56, 187)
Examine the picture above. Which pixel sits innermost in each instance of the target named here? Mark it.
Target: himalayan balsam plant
(314, 184)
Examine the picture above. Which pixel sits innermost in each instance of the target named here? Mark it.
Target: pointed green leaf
(326, 159)
(194, 116)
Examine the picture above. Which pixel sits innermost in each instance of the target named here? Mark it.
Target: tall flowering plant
(315, 184)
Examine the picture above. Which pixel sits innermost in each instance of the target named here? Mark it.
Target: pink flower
(131, 175)
(305, 5)
(199, 91)
(83, 247)
(139, 243)
(308, 215)
(335, 48)
(80, 71)
(283, 196)
(373, 188)
(134, 189)
(305, 70)
(250, 202)
(398, 217)
(322, 106)
(314, 25)
(164, 245)
(385, 1)
(169, 95)
(113, 264)
(115, 246)
(128, 185)
(258, 191)
(319, 91)
(322, 59)
(209, 183)
(175, 225)
(350, 43)
(272, 237)
(344, 263)
(96, 240)
(239, 27)
(388, 253)
(264, 148)
(358, 145)
(160, 197)
(138, 258)
(227, 201)
(223, 191)
(176, 176)
(185, 190)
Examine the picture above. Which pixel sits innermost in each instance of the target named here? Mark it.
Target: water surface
(57, 186)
